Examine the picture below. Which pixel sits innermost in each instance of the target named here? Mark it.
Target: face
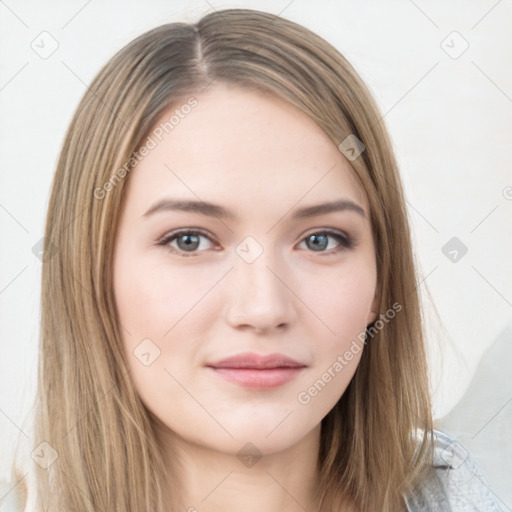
(223, 251)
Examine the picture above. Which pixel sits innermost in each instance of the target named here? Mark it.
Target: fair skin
(199, 300)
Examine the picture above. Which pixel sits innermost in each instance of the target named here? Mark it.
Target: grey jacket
(455, 485)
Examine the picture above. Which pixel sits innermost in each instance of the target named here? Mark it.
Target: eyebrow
(215, 210)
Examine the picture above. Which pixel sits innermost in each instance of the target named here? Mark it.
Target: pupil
(319, 242)
(188, 242)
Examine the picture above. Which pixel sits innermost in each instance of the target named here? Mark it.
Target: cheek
(344, 308)
(342, 299)
(165, 315)
(152, 297)
(163, 318)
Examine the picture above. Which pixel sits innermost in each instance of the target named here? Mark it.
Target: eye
(319, 241)
(189, 242)
(186, 242)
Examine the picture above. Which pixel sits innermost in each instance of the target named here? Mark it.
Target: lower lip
(258, 379)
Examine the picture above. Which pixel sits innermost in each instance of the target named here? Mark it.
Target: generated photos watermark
(342, 360)
(151, 142)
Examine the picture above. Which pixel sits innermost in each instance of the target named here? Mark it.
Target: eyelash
(345, 242)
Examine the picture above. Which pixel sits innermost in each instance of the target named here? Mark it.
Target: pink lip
(254, 371)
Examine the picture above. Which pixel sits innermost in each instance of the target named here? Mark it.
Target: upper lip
(256, 361)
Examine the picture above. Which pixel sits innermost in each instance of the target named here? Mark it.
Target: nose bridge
(253, 260)
(259, 296)
(257, 280)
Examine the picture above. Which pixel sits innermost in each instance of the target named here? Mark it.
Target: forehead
(238, 144)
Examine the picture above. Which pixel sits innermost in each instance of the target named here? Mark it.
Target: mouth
(251, 370)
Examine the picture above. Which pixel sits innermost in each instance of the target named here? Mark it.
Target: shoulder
(455, 483)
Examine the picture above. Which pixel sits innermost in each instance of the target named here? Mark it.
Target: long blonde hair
(87, 408)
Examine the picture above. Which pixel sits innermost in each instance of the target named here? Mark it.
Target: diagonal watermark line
(13, 279)
(199, 300)
(284, 489)
(125, 329)
(2, 498)
(424, 14)
(14, 423)
(424, 218)
(488, 422)
(76, 14)
(300, 199)
(13, 13)
(215, 488)
(282, 10)
(485, 15)
(428, 275)
(282, 421)
(469, 502)
(423, 280)
(206, 1)
(492, 81)
(199, 403)
(301, 300)
(218, 12)
(80, 284)
(404, 95)
(212, 80)
(77, 280)
(91, 295)
(77, 486)
(492, 211)
(504, 506)
(14, 76)
(491, 285)
(94, 405)
(13, 218)
(74, 218)
(95, 95)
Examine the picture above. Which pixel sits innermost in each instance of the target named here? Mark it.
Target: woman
(230, 316)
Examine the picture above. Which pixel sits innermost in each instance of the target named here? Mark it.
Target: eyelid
(186, 231)
(328, 231)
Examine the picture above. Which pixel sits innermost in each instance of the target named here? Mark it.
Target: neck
(211, 480)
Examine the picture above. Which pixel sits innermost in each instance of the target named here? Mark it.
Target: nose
(259, 297)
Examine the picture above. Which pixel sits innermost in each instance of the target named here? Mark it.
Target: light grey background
(440, 71)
